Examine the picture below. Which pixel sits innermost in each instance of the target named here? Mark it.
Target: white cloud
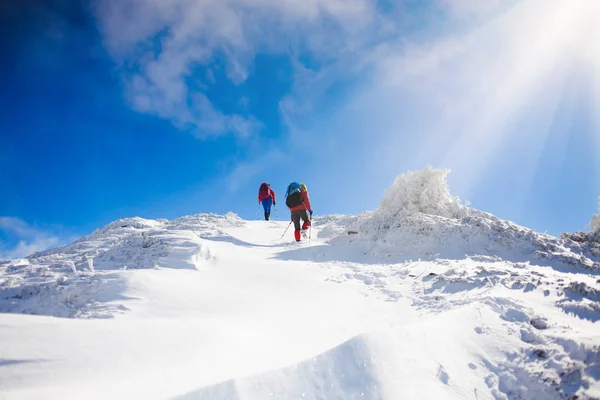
(463, 86)
(16, 225)
(29, 239)
(159, 43)
(26, 248)
(214, 122)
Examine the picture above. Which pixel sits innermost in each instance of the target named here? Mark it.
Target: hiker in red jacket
(266, 196)
(298, 201)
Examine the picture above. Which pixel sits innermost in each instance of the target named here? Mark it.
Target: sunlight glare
(540, 42)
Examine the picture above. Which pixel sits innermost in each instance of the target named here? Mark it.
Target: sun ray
(591, 46)
(537, 42)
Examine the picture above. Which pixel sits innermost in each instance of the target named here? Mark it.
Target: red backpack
(264, 192)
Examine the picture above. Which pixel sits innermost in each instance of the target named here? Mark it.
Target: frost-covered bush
(425, 191)
(416, 214)
(595, 222)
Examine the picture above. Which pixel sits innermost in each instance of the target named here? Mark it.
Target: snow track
(214, 307)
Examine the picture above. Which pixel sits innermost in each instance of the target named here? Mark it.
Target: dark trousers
(297, 215)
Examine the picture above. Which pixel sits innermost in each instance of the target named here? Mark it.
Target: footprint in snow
(514, 315)
(539, 323)
(530, 337)
(443, 375)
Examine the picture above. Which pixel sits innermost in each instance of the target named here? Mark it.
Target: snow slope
(429, 300)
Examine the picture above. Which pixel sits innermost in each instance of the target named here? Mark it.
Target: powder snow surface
(429, 300)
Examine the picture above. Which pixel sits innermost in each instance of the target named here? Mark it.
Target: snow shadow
(567, 266)
(547, 367)
(8, 362)
(336, 253)
(457, 285)
(344, 372)
(365, 254)
(581, 301)
(581, 311)
(373, 255)
(237, 242)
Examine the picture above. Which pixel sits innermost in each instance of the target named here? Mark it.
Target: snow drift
(63, 282)
(140, 243)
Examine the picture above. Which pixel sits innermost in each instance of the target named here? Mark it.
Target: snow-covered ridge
(63, 281)
(424, 297)
(134, 242)
(418, 218)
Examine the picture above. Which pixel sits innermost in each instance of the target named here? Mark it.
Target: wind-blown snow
(425, 299)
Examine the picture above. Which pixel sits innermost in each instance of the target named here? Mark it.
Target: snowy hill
(424, 298)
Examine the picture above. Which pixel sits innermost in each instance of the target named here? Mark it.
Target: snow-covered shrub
(416, 215)
(425, 191)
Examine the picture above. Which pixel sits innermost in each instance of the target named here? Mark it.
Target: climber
(266, 196)
(298, 201)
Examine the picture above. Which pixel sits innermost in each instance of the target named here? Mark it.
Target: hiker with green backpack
(298, 202)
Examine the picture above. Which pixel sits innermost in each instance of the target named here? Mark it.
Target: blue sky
(161, 109)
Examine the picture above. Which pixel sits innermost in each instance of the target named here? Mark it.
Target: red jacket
(305, 202)
(271, 195)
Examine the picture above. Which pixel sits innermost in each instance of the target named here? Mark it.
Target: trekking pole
(310, 229)
(258, 213)
(286, 229)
